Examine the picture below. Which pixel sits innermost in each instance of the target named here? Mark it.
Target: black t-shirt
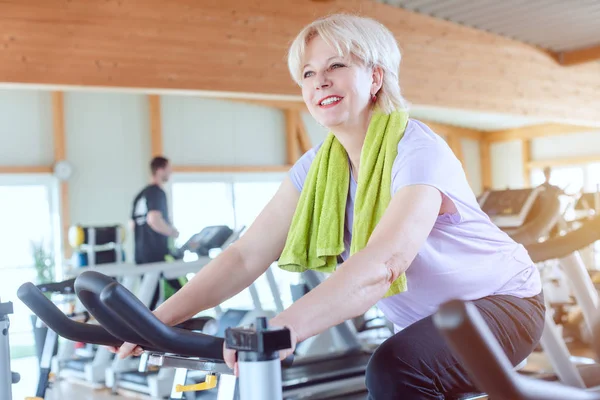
(150, 246)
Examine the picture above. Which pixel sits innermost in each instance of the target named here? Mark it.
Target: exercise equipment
(96, 366)
(95, 235)
(124, 318)
(508, 208)
(329, 365)
(474, 344)
(49, 347)
(543, 218)
(7, 377)
(563, 248)
(95, 245)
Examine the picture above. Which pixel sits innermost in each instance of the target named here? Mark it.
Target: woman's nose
(322, 82)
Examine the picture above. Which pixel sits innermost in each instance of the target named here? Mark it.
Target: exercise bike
(123, 317)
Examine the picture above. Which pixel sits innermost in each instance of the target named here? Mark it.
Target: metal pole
(6, 377)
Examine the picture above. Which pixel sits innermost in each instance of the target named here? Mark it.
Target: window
(592, 183)
(574, 179)
(235, 200)
(29, 215)
(571, 179)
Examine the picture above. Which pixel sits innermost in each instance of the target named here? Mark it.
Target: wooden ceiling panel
(234, 47)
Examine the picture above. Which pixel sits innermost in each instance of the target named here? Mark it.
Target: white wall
(109, 147)
(199, 131)
(566, 146)
(507, 165)
(507, 161)
(25, 128)
(472, 164)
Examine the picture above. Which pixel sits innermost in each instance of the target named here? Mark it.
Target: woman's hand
(230, 355)
(126, 350)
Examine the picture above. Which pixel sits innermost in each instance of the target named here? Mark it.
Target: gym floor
(28, 368)
(69, 390)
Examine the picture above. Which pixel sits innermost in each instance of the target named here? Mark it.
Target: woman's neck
(352, 137)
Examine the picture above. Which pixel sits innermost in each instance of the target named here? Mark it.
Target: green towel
(316, 235)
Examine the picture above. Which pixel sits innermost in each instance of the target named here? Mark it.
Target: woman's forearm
(350, 291)
(220, 279)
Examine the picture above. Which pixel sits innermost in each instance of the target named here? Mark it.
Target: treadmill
(474, 344)
(317, 372)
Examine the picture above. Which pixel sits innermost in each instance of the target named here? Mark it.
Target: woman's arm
(365, 277)
(240, 264)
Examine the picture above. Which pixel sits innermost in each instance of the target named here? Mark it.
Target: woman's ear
(377, 79)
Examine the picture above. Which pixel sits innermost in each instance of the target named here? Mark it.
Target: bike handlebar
(56, 320)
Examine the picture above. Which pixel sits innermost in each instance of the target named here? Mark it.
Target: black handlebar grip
(56, 320)
(288, 361)
(173, 340)
(88, 286)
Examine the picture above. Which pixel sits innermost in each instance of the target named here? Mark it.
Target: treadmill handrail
(562, 246)
(57, 321)
(471, 340)
(173, 340)
(548, 205)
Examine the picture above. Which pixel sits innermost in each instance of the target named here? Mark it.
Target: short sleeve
(424, 158)
(299, 170)
(156, 199)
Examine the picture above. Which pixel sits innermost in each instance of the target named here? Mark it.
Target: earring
(374, 98)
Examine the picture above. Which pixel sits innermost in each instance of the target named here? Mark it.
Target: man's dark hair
(158, 163)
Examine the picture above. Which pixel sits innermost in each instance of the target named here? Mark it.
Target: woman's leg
(416, 364)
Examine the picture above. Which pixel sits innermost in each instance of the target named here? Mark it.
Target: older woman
(384, 205)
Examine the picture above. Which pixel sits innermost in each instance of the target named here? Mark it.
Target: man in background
(150, 219)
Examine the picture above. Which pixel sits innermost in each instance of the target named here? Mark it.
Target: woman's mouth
(330, 101)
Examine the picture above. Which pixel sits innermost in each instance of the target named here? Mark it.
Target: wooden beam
(230, 168)
(156, 141)
(303, 138)
(578, 56)
(456, 146)
(536, 131)
(560, 162)
(60, 153)
(526, 157)
(455, 143)
(58, 121)
(34, 169)
(231, 47)
(451, 130)
(291, 136)
(486, 165)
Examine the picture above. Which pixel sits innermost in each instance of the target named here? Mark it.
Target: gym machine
(98, 367)
(7, 377)
(331, 365)
(538, 212)
(97, 245)
(123, 317)
(475, 345)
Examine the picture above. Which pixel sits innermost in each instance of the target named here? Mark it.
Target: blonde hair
(362, 37)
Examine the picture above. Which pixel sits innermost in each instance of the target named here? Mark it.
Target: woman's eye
(337, 65)
(307, 74)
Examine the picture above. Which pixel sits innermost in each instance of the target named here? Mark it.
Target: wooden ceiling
(238, 48)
